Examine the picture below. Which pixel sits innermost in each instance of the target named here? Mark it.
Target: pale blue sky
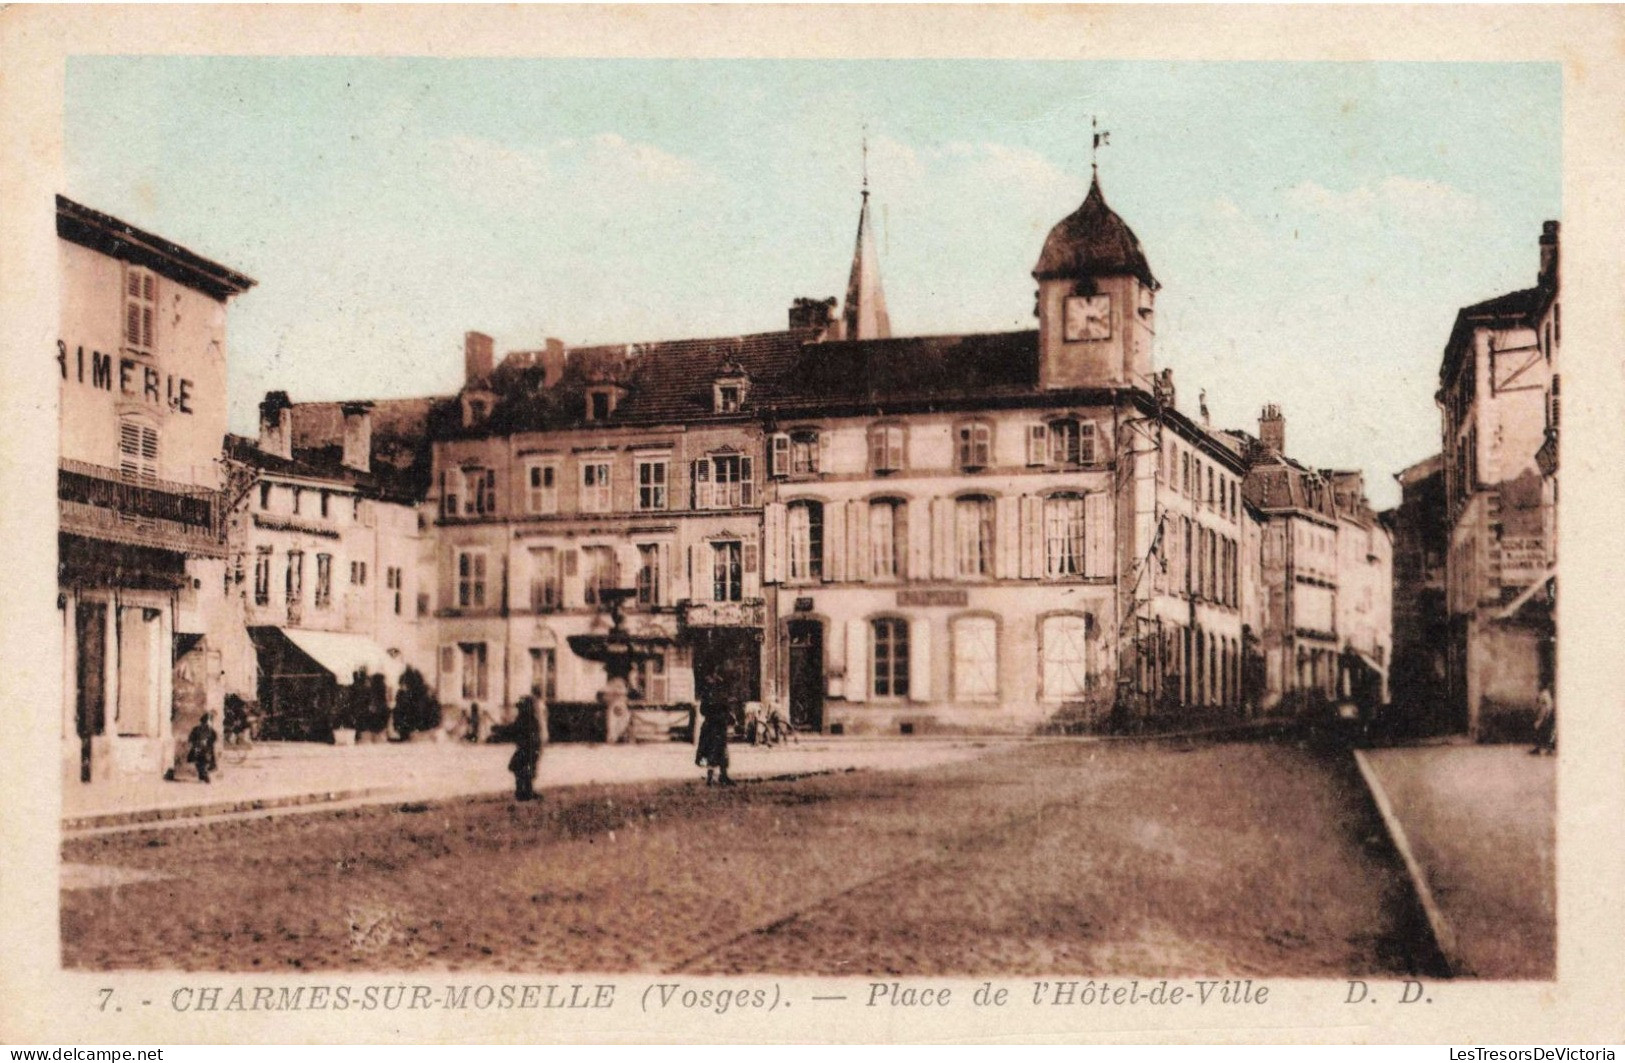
(1315, 225)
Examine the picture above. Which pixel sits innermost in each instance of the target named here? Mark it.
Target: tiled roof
(388, 483)
(909, 370)
(662, 382)
(1512, 309)
(1092, 241)
(113, 236)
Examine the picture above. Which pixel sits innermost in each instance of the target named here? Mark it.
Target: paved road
(1482, 821)
(1066, 857)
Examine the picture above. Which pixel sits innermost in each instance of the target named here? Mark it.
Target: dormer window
(600, 403)
(730, 389)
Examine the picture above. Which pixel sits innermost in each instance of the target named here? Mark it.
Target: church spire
(865, 314)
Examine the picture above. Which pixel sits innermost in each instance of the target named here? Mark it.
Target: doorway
(90, 678)
(807, 674)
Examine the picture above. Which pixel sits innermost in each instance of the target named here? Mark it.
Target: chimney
(814, 313)
(276, 425)
(1272, 429)
(1548, 255)
(477, 357)
(552, 362)
(357, 435)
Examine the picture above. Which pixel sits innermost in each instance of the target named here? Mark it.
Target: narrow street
(1098, 858)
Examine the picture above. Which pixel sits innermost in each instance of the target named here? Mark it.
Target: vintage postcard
(833, 524)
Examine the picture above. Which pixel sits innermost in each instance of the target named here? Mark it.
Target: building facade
(141, 544)
(1499, 395)
(1421, 621)
(328, 557)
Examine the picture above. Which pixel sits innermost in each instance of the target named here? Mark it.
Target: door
(807, 674)
(90, 678)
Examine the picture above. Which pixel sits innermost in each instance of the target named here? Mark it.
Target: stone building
(981, 532)
(1325, 563)
(141, 543)
(1499, 398)
(328, 559)
(1421, 622)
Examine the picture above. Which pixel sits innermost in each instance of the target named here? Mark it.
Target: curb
(1443, 936)
(137, 817)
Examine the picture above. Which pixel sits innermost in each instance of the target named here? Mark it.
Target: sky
(1315, 226)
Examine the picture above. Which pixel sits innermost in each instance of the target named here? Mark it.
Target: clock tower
(1095, 301)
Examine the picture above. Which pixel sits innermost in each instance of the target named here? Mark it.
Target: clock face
(1088, 317)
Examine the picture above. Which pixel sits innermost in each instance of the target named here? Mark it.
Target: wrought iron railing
(98, 502)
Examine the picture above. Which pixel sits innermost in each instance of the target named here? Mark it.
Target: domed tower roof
(1092, 241)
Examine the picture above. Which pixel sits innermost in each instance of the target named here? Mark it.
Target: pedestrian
(200, 746)
(1545, 723)
(474, 722)
(712, 754)
(527, 753)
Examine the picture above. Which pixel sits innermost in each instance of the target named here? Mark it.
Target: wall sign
(944, 597)
(132, 377)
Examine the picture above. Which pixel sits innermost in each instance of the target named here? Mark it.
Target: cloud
(490, 174)
(1396, 198)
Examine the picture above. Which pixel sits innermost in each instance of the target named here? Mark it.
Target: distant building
(1421, 621)
(1326, 570)
(1499, 395)
(328, 559)
(141, 543)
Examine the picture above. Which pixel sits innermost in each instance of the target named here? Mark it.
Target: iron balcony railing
(98, 502)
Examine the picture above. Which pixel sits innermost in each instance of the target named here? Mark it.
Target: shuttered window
(595, 487)
(1063, 536)
(137, 451)
(890, 656)
(886, 448)
(1071, 442)
(140, 307)
(727, 571)
(888, 539)
(599, 575)
(652, 483)
(976, 658)
(546, 582)
(1065, 665)
(542, 487)
(650, 574)
(973, 533)
(471, 579)
(974, 445)
(806, 535)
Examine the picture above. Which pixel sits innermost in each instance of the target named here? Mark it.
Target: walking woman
(712, 754)
(527, 753)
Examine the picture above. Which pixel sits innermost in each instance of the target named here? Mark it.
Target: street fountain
(619, 651)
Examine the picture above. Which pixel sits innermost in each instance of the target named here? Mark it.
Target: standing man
(1545, 723)
(527, 754)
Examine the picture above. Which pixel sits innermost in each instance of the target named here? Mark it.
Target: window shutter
(1032, 537)
(778, 454)
(895, 457)
(699, 572)
(834, 542)
(942, 538)
(1037, 443)
(919, 541)
(823, 452)
(857, 660)
(877, 449)
(919, 659)
(859, 555)
(750, 563)
(702, 484)
(774, 543)
(1007, 538)
(1097, 534)
(747, 482)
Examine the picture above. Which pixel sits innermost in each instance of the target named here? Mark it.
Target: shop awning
(344, 654)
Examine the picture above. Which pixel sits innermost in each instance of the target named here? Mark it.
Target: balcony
(750, 613)
(96, 502)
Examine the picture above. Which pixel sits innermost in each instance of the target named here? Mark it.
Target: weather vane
(866, 158)
(1100, 140)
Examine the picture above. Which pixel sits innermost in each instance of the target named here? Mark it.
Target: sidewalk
(1480, 822)
(291, 775)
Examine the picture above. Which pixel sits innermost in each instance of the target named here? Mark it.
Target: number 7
(107, 994)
